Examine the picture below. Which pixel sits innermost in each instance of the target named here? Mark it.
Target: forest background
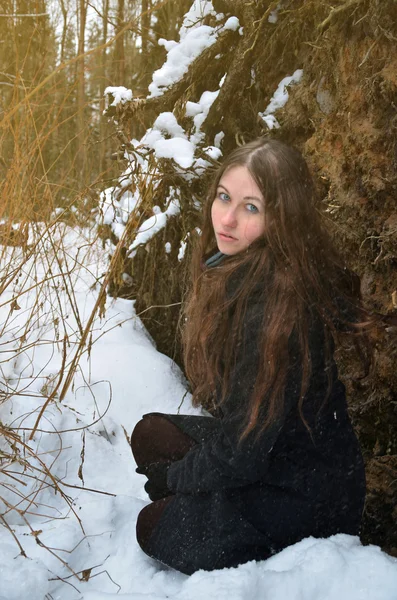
(69, 153)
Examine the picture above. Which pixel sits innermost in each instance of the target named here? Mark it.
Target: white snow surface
(182, 151)
(124, 366)
(232, 24)
(219, 138)
(167, 122)
(168, 140)
(120, 94)
(279, 99)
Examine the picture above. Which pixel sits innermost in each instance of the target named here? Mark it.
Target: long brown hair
(298, 264)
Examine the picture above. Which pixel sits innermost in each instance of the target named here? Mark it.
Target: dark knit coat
(239, 501)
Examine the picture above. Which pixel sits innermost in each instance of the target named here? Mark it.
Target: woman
(279, 460)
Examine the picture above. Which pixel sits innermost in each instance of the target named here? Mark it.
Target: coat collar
(214, 260)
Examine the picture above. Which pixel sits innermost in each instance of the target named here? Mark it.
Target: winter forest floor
(81, 544)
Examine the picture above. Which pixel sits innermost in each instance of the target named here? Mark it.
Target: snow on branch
(120, 94)
(183, 146)
(153, 224)
(279, 99)
(194, 39)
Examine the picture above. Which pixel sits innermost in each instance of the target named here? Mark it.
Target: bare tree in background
(81, 99)
(145, 25)
(64, 29)
(103, 83)
(119, 45)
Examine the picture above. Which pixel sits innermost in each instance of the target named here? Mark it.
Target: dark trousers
(155, 439)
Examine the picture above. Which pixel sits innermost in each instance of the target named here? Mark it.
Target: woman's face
(238, 211)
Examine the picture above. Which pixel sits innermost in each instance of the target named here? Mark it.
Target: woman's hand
(156, 485)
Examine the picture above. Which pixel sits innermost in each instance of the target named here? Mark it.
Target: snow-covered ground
(94, 536)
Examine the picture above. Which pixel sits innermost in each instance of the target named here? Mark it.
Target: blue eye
(252, 208)
(223, 196)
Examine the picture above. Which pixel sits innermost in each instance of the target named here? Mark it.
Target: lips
(226, 236)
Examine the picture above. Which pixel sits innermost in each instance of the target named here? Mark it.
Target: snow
(153, 225)
(168, 44)
(197, 12)
(115, 213)
(232, 24)
(120, 94)
(175, 146)
(32, 576)
(193, 109)
(180, 56)
(206, 101)
(182, 250)
(219, 138)
(270, 121)
(213, 152)
(127, 204)
(194, 38)
(199, 112)
(167, 122)
(182, 151)
(280, 96)
(121, 378)
(279, 99)
(167, 139)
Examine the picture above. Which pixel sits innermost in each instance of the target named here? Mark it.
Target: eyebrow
(245, 197)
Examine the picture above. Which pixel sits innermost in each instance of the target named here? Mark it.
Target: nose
(229, 217)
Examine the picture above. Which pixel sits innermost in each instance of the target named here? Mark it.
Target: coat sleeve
(221, 462)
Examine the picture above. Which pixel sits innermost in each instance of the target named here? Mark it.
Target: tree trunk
(81, 99)
(102, 86)
(119, 47)
(145, 25)
(64, 30)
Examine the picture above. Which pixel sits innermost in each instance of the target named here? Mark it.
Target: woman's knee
(144, 436)
(147, 520)
(157, 439)
(139, 433)
(145, 428)
(143, 529)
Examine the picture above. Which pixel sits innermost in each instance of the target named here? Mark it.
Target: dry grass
(50, 177)
(39, 314)
(44, 211)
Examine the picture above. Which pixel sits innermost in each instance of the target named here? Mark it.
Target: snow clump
(120, 94)
(153, 224)
(279, 99)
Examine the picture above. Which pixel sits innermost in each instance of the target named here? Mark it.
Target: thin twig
(13, 535)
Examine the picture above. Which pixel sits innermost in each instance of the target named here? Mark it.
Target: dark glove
(156, 485)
